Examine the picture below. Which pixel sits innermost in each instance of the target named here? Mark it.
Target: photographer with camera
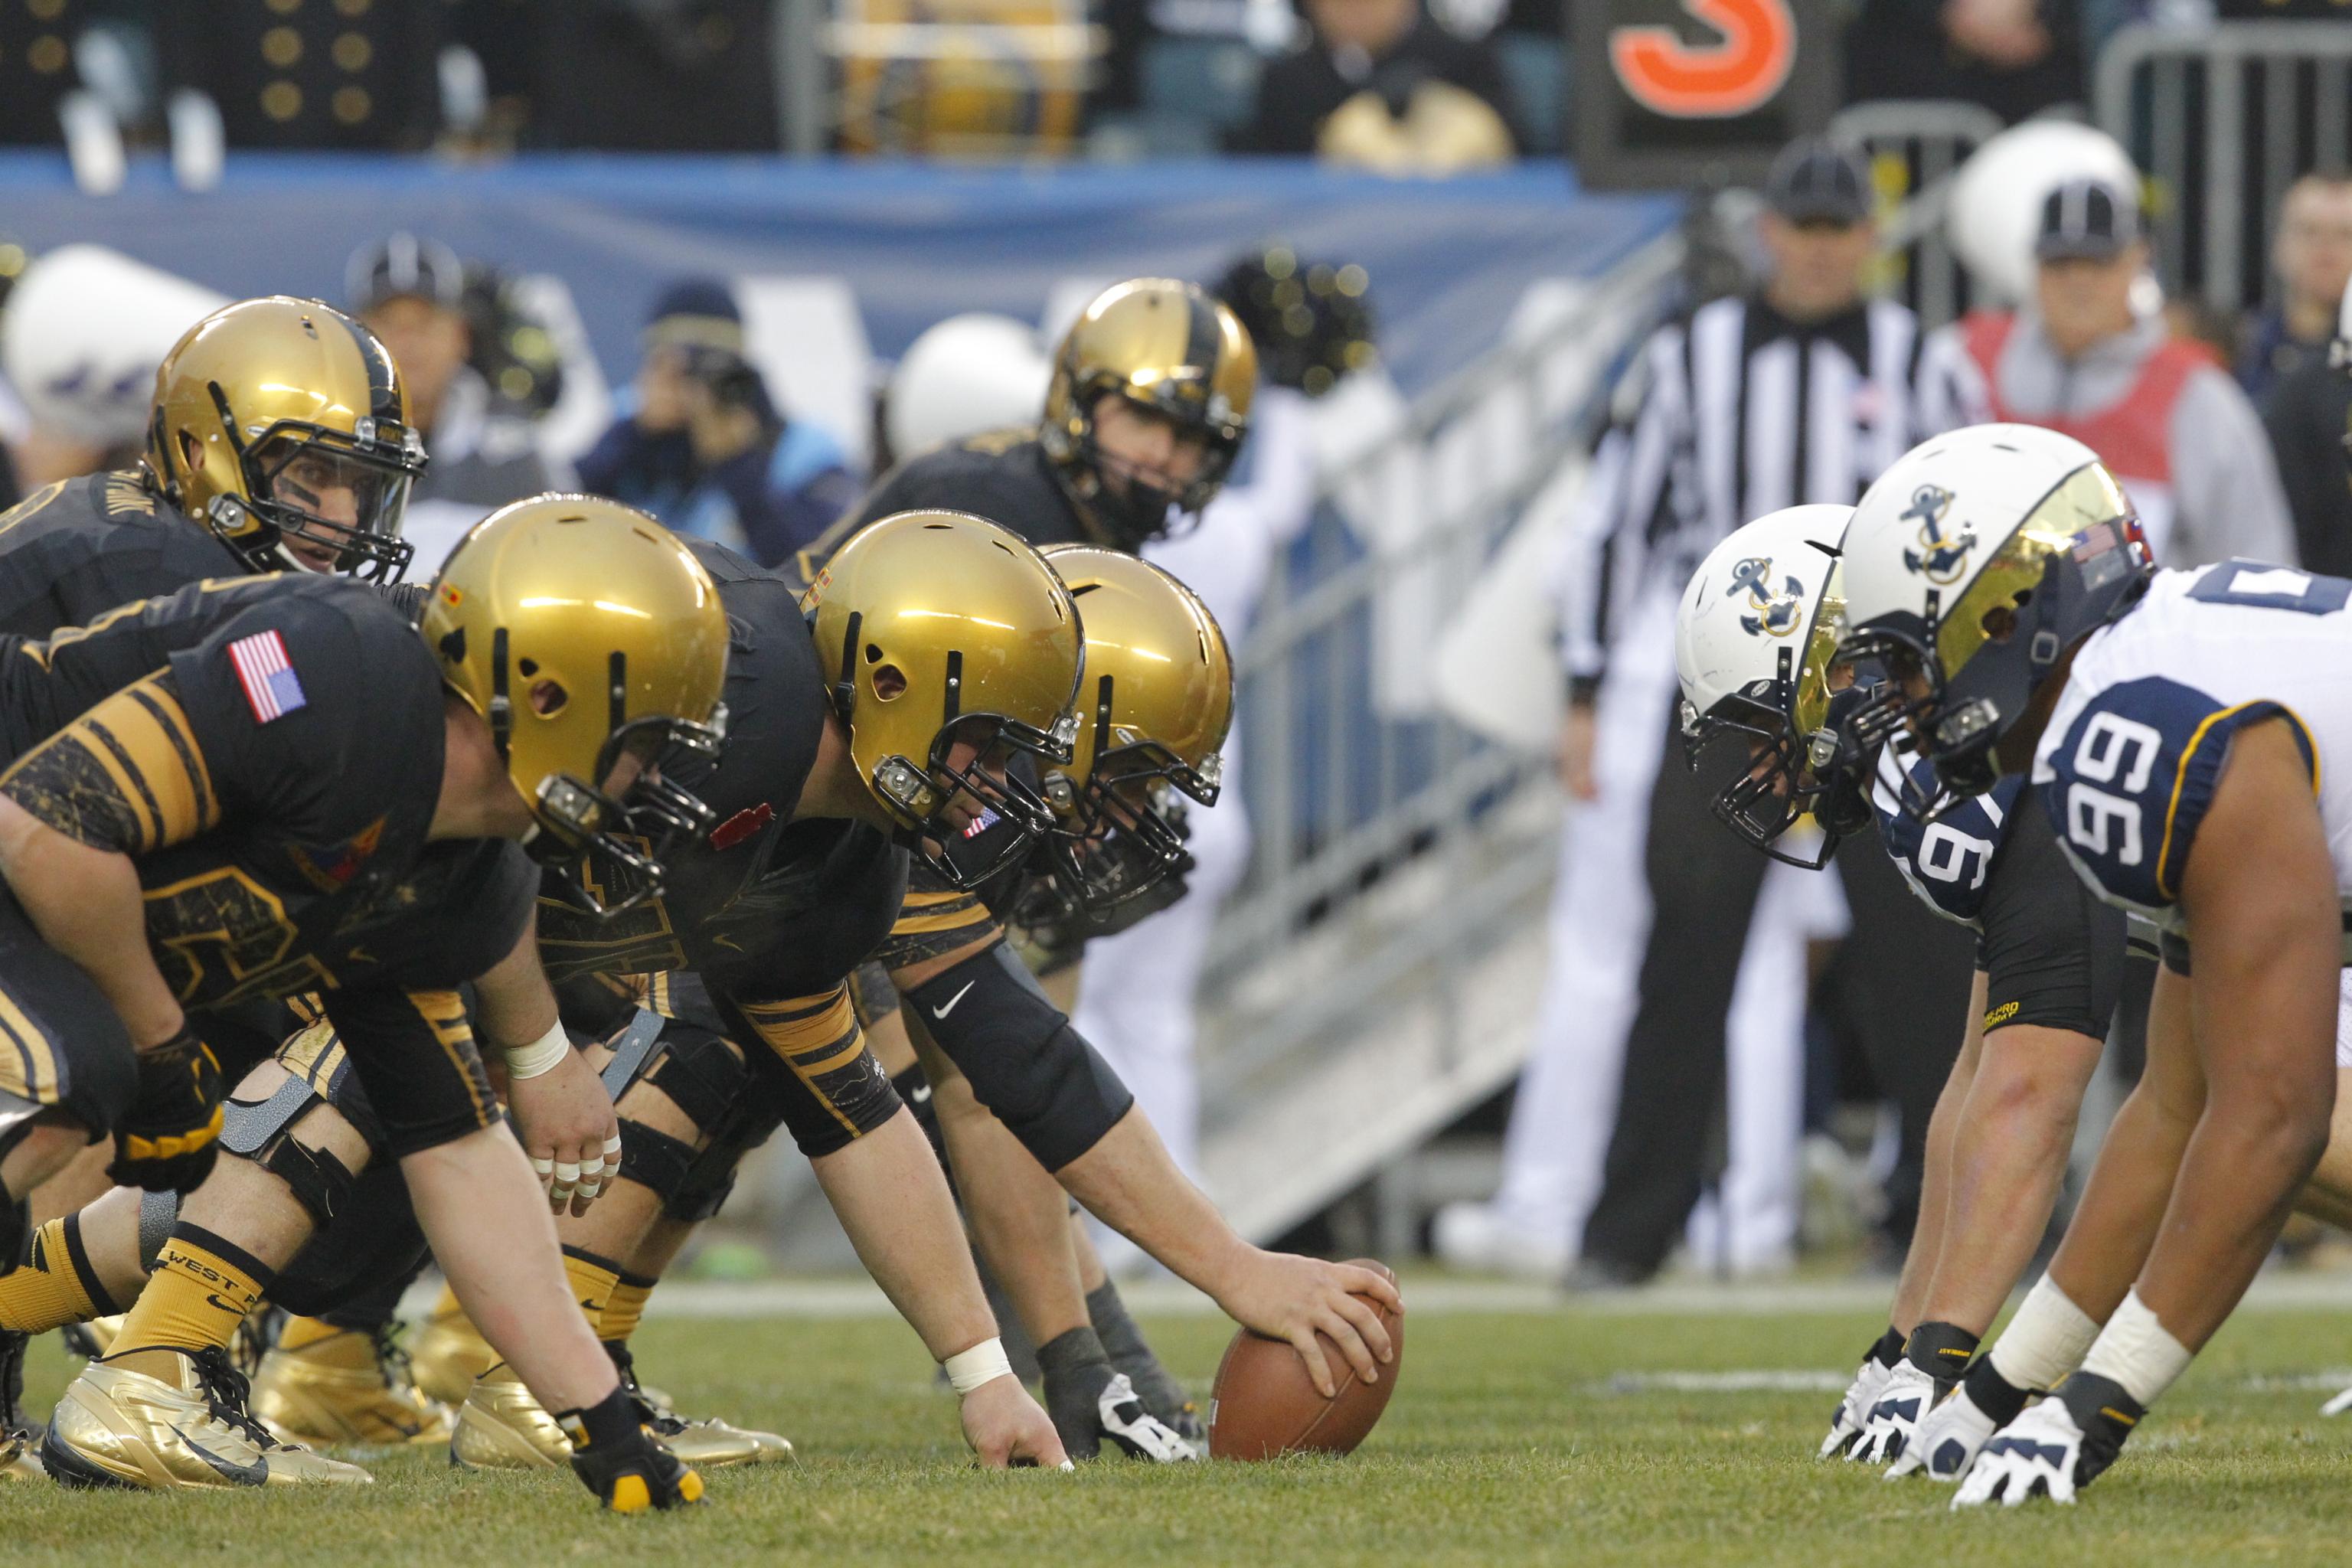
(701, 444)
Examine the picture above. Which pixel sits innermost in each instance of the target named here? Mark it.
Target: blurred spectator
(2016, 58)
(2309, 418)
(411, 292)
(701, 444)
(320, 76)
(1802, 391)
(2312, 254)
(1377, 83)
(2159, 409)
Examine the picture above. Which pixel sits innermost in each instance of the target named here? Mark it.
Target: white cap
(963, 375)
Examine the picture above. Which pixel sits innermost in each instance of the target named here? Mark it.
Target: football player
(269, 788)
(2188, 736)
(279, 441)
(1756, 648)
(1147, 406)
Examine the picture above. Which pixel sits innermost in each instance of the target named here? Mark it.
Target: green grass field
(1532, 1438)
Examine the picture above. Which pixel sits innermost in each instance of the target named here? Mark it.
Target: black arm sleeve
(1022, 1057)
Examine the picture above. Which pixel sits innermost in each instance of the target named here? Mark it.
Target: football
(1263, 1405)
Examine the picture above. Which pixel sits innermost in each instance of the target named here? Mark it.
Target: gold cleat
(118, 1427)
(709, 1443)
(448, 1353)
(500, 1427)
(352, 1387)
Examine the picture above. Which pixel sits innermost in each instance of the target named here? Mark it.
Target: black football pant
(1899, 984)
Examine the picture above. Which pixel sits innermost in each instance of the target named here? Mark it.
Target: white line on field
(844, 1297)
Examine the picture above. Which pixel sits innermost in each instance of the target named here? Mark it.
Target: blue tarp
(1449, 259)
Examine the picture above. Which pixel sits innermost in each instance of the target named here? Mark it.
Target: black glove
(616, 1458)
(169, 1138)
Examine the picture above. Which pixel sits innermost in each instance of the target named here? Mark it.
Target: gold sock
(594, 1282)
(301, 1332)
(54, 1284)
(624, 1305)
(200, 1290)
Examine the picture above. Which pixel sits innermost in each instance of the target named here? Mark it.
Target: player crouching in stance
(307, 792)
(1756, 648)
(2188, 734)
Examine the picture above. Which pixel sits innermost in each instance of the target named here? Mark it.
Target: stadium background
(858, 170)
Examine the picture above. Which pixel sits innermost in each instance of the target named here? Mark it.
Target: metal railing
(1354, 791)
(2221, 117)
(1915, 148)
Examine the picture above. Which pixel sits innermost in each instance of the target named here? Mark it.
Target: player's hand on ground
(1894, 1414)
(628, 1469)
(169, 1138)
(1007, 1429)
(1853, 1411)
(2057, 1448)
(1948, 1440)
(568, 1127)
(1287, 1297)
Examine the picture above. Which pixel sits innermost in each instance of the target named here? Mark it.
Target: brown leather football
(1263, 1405)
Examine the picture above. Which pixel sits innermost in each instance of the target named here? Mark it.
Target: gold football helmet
(948, 646)
(1153, 710)
(1167, 347)
(592, 640)
(282, 426)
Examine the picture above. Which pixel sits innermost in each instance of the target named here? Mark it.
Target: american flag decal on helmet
(271, 687)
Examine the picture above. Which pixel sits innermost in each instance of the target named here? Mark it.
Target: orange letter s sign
(1712, 81)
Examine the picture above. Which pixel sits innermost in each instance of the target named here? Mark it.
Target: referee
(1801, 392)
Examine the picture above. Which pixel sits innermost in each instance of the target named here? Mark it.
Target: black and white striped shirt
(1736, 411)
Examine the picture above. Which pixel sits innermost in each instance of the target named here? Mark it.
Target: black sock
(1161, 1394)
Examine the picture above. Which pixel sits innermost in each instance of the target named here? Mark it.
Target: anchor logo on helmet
(1776, 614)
(1941, 557)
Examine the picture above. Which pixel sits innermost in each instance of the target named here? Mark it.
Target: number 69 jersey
(2136, 744)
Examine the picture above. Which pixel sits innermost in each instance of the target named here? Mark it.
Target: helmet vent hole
(528, 666)
(890, 682)
(548, 698)
(873, 654)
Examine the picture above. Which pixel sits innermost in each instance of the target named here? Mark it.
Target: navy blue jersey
(1947, 861)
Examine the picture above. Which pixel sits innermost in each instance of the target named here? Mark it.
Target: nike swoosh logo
(951, 1005)
(921, 1095)
(253, 1475)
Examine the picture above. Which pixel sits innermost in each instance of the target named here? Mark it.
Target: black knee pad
(701, 1072)
(1022, 1057)
(654, 1160)
(915, 1090)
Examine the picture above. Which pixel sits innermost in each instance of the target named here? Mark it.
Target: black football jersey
(1003, 476)
(72, 551)
(269, 750)
(763, 906)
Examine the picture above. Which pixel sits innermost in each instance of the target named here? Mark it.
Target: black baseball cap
(2086, 219)
(403, 266)
(1815, 180)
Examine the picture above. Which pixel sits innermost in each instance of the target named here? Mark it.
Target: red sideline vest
(2131, 436)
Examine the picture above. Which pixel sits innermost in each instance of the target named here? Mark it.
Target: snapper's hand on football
(1007, 1429)
(1286, 1296)
(567, 1125)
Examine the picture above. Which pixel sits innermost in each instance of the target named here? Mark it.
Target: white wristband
(2045, 1340)
(2138, 1352)
(984, 1362)
(540, 1056)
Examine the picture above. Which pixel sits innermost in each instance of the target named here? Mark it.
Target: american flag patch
(982, 823)
(271, 687)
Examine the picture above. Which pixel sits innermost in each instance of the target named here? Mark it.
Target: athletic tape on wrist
(2046, 1339)
(2138, 1352)
(541, 1056)
(984, 1362)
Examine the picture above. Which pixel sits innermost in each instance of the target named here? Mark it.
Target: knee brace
(1022, 1057)
(263, 1134)
(654, 1160)
(702, 1073)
